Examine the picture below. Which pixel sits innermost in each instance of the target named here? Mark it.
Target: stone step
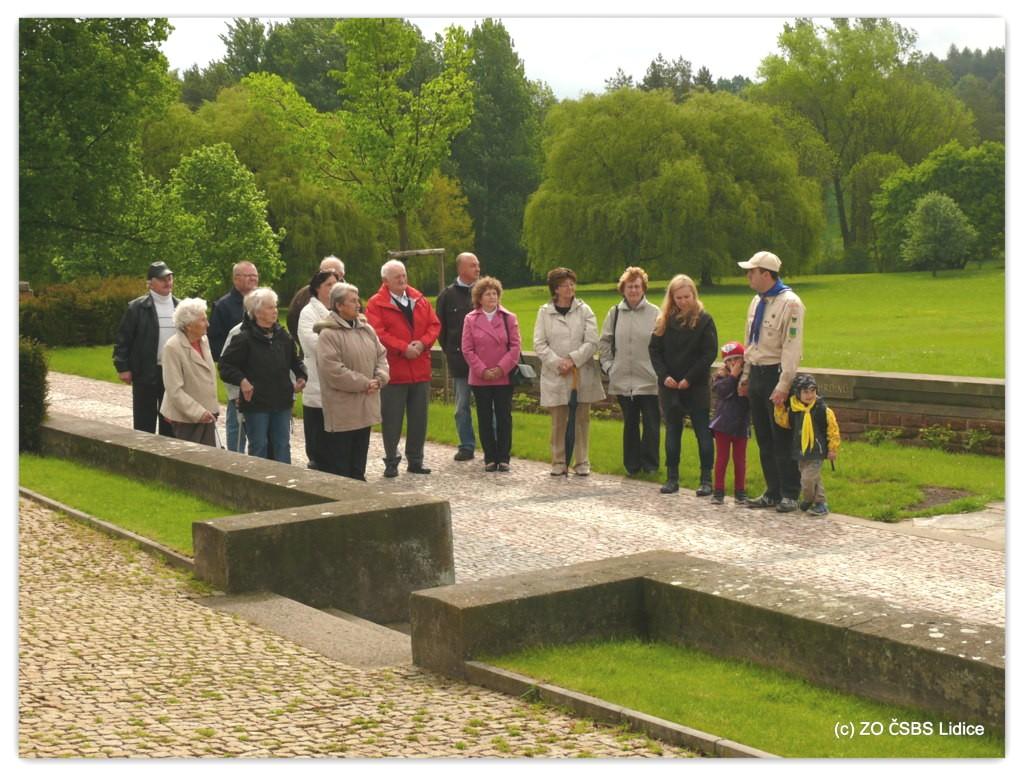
(332, 633)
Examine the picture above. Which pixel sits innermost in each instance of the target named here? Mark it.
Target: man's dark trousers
(774, 443)
(146, 399)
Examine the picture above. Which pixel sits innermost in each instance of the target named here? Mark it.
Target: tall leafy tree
(859, 84)
(245, 43)
(497, 157)
(974, 178)
(634, 178)
(676, 76)
(86, 86)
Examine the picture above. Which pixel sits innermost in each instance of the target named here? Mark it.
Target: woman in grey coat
(565, 340)
(625, 359)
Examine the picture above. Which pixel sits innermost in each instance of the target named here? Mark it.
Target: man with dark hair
(773, 349)
(227, 313)
(145, 327)
(454, 302)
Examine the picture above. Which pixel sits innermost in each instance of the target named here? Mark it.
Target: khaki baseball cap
(764, 260)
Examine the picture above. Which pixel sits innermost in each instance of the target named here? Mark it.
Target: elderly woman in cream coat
(565, 339)
(353, 367)
(190, 379)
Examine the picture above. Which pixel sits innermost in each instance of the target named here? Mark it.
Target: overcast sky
(575, 55)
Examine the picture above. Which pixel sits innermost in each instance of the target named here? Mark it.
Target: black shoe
(418, 469)
(804, 505)
(704, 490)
(671, 487)
(490, 467)
(718, 498)
(650, 468)
(390, 469)
(764, 501)
(464, 454)
(504, 467)
(632, 471)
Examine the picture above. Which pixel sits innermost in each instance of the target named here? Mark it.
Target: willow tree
(631, 177)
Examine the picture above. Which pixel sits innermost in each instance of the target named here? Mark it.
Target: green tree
(676, 76)
(203, 85)
(497, 157)
(226, 217)
(305, 52)
(939, 235)
(862, 182)
(633, 178)
(245, 43)
(858, 82)
(86, 87)
(975, 178)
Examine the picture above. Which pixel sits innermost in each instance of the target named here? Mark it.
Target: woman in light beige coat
(565, 339)
(190, 379)
(353, 366)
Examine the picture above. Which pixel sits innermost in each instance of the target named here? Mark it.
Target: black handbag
(522, 374)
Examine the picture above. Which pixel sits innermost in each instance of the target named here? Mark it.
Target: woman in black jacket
(259, 361)
(682, 348)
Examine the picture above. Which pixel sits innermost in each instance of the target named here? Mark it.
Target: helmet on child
(732, 349)
(804, 381)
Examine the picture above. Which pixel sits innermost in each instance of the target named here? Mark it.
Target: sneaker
(670, 487)
(819, 509)
(718, 498)
(581, 470)
(558, 470)
(764, 501)
(786, 505)
(464, 454)
(504, 467)
(490, 467)
(804, 505)
(704, 490)
(741, 497)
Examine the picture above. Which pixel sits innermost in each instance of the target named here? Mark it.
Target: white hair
(391, 264)
(258, 298)
(330, 259)
(189, 310)
(339, 291)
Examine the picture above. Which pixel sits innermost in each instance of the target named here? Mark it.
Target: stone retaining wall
(858, 645)
(323, 540)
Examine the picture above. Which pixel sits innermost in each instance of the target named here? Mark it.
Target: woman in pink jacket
(491, 346)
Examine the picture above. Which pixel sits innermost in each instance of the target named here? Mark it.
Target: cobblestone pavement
(116, 658)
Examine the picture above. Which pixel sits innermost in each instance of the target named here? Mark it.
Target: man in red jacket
(407, 326)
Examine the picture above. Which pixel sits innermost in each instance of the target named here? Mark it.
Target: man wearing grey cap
(774, 346)
(145, 327)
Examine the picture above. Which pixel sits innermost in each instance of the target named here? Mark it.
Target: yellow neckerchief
(807, 431)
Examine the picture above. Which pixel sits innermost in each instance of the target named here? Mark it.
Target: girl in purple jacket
(491, 345)
(731, 424)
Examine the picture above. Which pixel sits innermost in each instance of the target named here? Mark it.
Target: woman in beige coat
(190, 382)
(565, 339)
(353, 366)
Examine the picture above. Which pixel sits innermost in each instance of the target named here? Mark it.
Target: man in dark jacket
(145, 328)
(454, 302)
(227, 312)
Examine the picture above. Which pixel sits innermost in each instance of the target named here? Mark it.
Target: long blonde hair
(669, 310)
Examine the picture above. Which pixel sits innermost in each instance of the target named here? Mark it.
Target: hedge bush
(85, 313)
(32, 391)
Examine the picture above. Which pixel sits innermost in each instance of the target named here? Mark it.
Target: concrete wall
(320, 539)
(866, 400)
(920, 659)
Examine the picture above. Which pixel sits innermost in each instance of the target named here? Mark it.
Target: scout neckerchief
(807, 431)
(755, 327)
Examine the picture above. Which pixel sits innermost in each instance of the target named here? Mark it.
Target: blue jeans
(235, 431)
(675, 418)
(274, 426)
(463, 414)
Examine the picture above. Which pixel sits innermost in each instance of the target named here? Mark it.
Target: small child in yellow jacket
(815, 439)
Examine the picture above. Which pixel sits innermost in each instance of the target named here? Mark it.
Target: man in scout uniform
(774, 347)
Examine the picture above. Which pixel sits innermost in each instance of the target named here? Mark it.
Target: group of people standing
(362, 365)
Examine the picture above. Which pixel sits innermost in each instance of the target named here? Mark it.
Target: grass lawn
(764, 708)
(887, 322)
(146, 508)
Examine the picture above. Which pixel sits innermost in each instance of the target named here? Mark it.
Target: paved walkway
(117, 657)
